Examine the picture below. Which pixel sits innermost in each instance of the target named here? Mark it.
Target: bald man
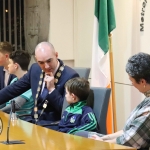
(46, 78)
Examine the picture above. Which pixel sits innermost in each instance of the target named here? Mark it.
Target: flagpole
(112, 83)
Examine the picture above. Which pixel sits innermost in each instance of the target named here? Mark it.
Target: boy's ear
(74, 97)
(16, 66)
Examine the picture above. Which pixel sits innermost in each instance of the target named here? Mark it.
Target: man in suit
(5, 78)
(46, 78)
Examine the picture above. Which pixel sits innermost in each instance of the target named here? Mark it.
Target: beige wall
(84, 13)
(71, 29)
(62, 28)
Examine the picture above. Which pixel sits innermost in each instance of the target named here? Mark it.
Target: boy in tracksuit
(78, 116)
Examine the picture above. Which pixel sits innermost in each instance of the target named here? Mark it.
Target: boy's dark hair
(78, 86)
(5, 47)
(81, 88)
(22, 58)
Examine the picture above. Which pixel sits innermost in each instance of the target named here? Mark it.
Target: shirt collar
(5, 70)
(76, 107)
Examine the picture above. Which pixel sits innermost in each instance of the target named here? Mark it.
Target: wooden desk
(40, 138)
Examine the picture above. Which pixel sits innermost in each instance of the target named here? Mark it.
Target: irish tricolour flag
(104, 23)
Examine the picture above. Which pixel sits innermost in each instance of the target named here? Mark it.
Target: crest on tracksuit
(72, 119)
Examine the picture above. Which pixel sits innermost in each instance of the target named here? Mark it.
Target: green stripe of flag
(104, 11)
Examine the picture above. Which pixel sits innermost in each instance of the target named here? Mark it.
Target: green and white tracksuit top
(77, 117)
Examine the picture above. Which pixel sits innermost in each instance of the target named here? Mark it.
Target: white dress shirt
(6, 77)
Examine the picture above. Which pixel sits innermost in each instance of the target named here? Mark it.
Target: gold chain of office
(57, 77)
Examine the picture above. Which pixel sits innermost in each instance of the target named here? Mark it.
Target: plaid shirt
(136, 132)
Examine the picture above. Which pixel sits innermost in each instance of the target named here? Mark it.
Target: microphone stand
(12, 117)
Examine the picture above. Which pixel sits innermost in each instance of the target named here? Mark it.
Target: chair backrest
(83, 72)
(101, 101)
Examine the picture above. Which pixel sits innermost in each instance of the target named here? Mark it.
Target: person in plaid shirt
(136, 132)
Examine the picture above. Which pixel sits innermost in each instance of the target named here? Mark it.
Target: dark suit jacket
(30, 80)
(2, 78)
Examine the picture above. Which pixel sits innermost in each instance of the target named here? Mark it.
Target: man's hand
(49, 81)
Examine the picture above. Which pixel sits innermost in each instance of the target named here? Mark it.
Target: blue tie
(44, 93)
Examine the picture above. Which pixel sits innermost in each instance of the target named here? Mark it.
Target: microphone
(12, 117)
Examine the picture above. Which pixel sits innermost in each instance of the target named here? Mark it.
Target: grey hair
(138, 67)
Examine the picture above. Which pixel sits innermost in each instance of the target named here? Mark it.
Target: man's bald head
(46, 56)
(44, 46)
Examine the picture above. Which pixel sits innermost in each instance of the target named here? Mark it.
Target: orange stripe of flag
(109, 117)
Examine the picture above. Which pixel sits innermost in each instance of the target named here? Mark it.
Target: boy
(78, 116)
(5, 78)
(18, 65)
